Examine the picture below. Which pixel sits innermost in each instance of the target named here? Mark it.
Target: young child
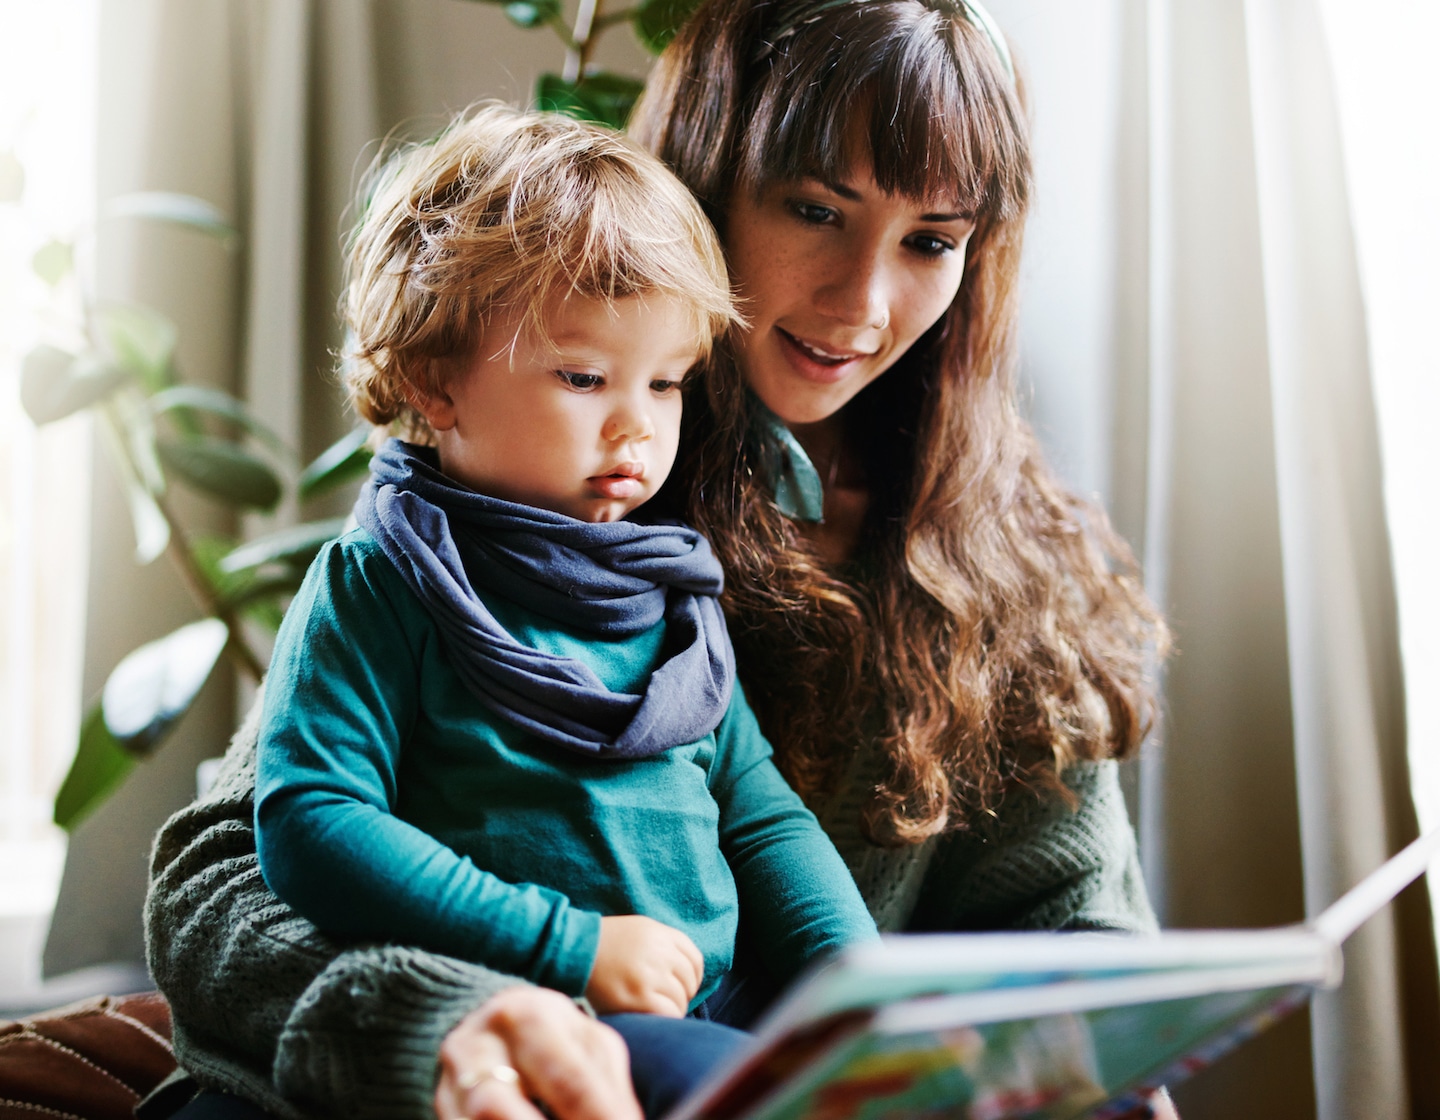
(501, 720)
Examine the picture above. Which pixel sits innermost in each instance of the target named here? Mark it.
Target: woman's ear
(433, 404)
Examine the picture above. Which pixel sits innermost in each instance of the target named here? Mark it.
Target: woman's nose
(858, 292)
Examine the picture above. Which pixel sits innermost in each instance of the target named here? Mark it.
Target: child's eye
(812, 213)
(580, 382)
(664, 386)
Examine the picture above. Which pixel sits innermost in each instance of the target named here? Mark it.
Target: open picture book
(991, 1026)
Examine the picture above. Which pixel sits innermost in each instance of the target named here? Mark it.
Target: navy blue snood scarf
(613, 579)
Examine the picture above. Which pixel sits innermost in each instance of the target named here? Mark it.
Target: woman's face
(839, 280)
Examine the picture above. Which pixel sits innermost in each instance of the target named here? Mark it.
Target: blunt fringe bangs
(942, 119)
(510, 211)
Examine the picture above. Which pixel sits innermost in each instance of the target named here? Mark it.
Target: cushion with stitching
(93, 1060)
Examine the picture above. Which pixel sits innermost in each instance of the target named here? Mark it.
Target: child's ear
(433, 404)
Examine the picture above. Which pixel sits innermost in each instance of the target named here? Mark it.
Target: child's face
(586, 424)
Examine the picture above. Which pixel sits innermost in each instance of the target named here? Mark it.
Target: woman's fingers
(577, 1067)
(589, 1077)
(490, 1099)
(476, 1081)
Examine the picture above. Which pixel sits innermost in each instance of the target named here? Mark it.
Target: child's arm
(795, 891)
(341, 698)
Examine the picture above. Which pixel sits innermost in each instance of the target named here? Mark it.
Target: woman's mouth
(815, 361)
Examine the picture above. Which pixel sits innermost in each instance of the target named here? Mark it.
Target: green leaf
(656, 21)
(254, 592)
(603, 97)
(53, 261)
(156, 684)
(178, 209)
(213, 402)
(260, 598)
(296, 545)
(222, 469)
(266, 612)
(532, 13)
(12, 177)
(346, 459)
(141, 341)
(55, 383)
(100, 765)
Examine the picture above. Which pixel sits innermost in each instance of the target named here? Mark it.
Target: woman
(943, 644)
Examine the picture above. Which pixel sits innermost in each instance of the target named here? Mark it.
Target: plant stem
(199, 585)
(578, 57)
(181, 555)
(610, 19)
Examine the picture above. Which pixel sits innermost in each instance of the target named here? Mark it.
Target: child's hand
(644, 965)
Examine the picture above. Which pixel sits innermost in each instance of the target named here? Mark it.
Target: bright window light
(47, 206)
(1388, 90)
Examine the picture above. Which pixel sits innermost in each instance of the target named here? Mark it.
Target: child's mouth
(625, 481)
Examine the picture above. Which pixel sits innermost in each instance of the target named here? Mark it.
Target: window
(47, 207)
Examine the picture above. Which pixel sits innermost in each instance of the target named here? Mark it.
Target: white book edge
(939, 1013)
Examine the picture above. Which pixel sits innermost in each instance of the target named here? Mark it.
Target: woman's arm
(267, 1007)
(1044, 865)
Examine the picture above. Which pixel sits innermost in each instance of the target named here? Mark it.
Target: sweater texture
(393, 805)
(269, 1008)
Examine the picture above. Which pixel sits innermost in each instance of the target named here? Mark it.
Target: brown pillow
(93, 1060)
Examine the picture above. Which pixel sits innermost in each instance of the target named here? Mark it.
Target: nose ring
(883, 322)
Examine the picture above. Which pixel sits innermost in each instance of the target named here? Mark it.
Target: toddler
(501, 719)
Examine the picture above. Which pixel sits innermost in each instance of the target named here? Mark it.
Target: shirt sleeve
(341, 701)
(796, 894)
(266, 1006)
(1047, 865)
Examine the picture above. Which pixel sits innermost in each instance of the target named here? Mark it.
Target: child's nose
(628, 422)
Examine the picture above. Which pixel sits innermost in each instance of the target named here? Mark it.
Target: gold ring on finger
(475, 1077)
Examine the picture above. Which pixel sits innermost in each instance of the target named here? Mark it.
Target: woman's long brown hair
(992, 628)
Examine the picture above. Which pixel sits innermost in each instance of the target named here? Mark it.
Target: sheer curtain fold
(1285, 774)
(1340, 607)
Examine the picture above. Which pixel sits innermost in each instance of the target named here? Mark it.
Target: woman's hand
(644, 965)
(574, 1066)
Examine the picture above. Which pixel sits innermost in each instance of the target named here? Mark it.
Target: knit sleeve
(267, 1007)
(1045, 865)
(795, 891)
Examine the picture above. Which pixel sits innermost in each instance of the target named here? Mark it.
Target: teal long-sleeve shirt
(392, 805)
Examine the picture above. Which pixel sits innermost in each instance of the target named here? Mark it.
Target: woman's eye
(581, 382)
(929, 245)
(812, 212)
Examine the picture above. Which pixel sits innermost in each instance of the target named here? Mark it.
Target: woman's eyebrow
(834, 186)
(850, 194)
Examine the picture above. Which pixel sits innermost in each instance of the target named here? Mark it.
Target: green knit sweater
(267, 1007)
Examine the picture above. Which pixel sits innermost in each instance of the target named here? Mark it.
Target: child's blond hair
(507, 211)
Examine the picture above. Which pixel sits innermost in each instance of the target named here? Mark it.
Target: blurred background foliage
(161, 432)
